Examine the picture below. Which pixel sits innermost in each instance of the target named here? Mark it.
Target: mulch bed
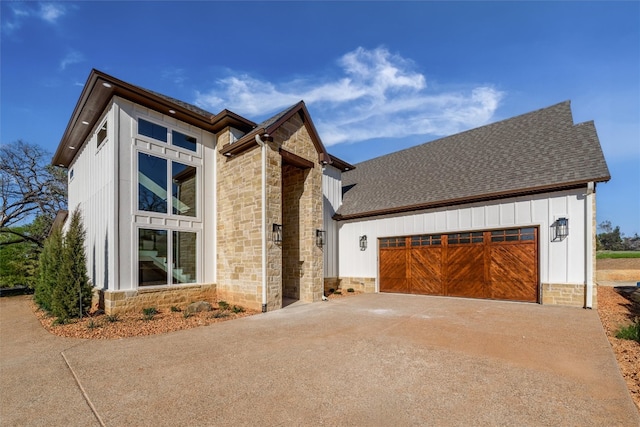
(98, 326)
(616, 308)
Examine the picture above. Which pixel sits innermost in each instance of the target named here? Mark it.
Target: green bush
(175, 309)
(49, 266)
(71, 296)
(223, 305)
(631, 332)
(351, 290)
(149, 313)
(236, 309)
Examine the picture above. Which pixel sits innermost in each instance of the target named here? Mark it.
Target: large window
(153, 189)
(168, 166)
(166, 257)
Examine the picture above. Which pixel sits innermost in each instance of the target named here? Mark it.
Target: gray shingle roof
(538, 150)
(271, 120)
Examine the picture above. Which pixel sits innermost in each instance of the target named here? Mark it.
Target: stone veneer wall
(239, 213)
(573, 295)
(360, 284)
(274, 216)
(239, 227)
(292, 268)
(296, 139)
(163, 298)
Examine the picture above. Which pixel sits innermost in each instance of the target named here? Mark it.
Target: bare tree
(30, 188)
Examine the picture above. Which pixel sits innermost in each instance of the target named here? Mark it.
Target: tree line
(611, 239)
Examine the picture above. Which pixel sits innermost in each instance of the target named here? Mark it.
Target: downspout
(263, 154)
(589, 199)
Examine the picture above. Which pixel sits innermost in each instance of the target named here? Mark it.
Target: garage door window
(426, 240)
(465, 238)
(513, 235)
(392, 242)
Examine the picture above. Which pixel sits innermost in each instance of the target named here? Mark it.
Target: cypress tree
(48, 268)
(72, 295)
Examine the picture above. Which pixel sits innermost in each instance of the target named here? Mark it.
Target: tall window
(167, 177)
(153, 189)
(152, 183)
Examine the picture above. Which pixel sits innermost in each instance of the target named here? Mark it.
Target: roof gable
(270, 125)
(537, 151)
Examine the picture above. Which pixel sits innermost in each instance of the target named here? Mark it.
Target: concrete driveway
(373, 359)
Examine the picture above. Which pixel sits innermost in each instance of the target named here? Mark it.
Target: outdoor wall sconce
(363, 243)
(560, 229)
(276, 233)
(321, 238)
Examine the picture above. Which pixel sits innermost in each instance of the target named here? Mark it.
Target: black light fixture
(560, 229)
(363, 243)
(321, 238)
(276, 232)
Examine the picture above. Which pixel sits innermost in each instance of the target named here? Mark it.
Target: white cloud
(73, 57)
(21, 11)
(377, 94)
(50, 12)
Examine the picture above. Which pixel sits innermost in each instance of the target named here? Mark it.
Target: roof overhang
(341, 164)
(466, 200)
(98, 91)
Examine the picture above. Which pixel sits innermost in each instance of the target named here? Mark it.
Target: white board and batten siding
(332, 199)
(561, 262)
(92, 188)
(109, 205)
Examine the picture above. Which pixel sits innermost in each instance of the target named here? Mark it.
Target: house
(181, 204)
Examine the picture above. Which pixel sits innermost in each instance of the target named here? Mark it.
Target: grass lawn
(617, 254)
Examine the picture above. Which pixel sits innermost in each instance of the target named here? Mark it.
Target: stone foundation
(113, 302)
(359, 284)
(568, 295)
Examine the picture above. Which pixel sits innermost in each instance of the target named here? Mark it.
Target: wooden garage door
(496, 264)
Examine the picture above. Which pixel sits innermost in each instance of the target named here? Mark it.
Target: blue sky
(376, 76)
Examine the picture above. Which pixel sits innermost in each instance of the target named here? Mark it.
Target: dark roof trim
(466, 200)
(341, 164)
(248, 141)
(98, 91)
(228, 118)
(295, 160)
(243, 144)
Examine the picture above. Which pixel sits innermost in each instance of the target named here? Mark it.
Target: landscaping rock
(197, 307)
